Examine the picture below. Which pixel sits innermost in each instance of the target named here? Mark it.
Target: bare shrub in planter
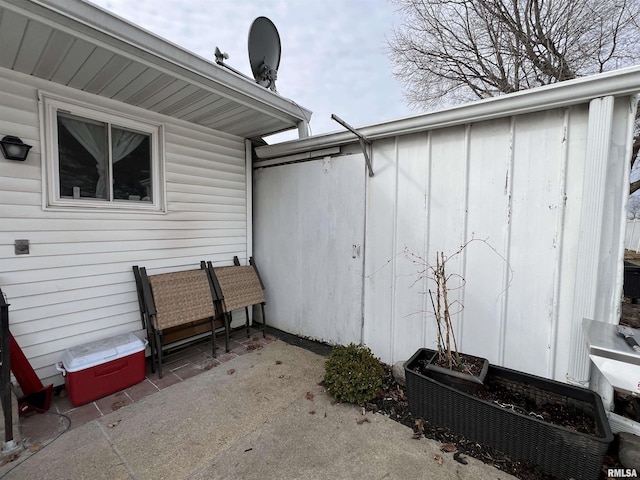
(475, 413)
(562, 451)
(448, 360)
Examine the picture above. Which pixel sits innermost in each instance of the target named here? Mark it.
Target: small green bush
(353, 374)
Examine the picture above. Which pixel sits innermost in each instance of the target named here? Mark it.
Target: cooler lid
(101, 351)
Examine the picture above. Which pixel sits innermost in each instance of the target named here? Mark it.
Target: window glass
(100, 159)
(82, 149)
(131, 157)
(97, 160)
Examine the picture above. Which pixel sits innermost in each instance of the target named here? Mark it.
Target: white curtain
(92, 137)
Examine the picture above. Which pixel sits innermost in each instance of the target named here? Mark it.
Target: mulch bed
(392, 401)
(556, 414)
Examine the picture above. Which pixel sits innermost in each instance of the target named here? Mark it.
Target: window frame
(51, 105)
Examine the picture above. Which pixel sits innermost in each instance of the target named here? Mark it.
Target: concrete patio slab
(260, 415)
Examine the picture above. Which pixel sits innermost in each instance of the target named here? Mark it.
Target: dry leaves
(363, 420)
(231, 371)
(459, 458)
(35, 447)
(438, 458)
(418, 429)
(8, 458)
(309, 396)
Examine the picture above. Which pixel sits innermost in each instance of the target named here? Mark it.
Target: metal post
(364, 141)
(9, 444)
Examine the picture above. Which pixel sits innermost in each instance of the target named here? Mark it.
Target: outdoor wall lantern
(13, 148)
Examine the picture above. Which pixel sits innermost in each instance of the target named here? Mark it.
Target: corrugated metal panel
(76, 284)
(517, 186)
(311, 259)
(500, 182)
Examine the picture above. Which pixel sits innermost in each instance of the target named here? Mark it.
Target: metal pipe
(5, 376)
(364, 142)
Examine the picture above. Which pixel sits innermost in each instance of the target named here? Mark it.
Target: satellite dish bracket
(221, 56)
(267, 75)
(364, 141)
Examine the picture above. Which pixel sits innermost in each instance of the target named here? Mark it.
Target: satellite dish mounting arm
(364, 141)
(267, 76)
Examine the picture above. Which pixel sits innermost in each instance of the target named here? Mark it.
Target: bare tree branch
(457, 50)
(451, 51)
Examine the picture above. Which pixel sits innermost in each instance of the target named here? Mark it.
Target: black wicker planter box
(557, 450)
(631, 284)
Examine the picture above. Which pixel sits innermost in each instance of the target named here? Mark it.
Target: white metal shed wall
(76, 285)
(632, 237)
(518, 183)
(543, 192)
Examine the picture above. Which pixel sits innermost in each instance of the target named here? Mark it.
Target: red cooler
(100, 368)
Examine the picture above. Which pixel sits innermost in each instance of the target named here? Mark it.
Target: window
(98, 159)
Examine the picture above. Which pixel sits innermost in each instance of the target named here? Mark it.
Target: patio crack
(117, 452)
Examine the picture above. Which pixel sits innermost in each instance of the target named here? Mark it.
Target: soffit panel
(56, 53)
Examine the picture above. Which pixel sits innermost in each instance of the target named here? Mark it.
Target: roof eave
(623, 82)
(92, 22)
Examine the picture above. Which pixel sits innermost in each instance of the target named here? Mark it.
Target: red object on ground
(36, 397)
(100, 368)
(87, 385)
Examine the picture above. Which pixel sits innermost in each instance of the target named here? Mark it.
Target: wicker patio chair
(239, 287)
(176, 299)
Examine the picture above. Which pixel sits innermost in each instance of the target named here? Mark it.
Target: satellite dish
(264, 52)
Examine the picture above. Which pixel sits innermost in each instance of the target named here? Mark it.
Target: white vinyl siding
(76, 285)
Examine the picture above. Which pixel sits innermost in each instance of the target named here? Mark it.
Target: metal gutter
(114, 32)
(616, 83)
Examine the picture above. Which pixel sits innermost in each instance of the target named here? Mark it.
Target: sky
(334, 52)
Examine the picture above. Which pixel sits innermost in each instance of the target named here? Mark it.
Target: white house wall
(76, 285)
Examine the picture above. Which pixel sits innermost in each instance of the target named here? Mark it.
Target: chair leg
(213, 336)
(246, 312)
(264, 322)
(151, 348)
(227, 328)
(152, 344)
(158, 343)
